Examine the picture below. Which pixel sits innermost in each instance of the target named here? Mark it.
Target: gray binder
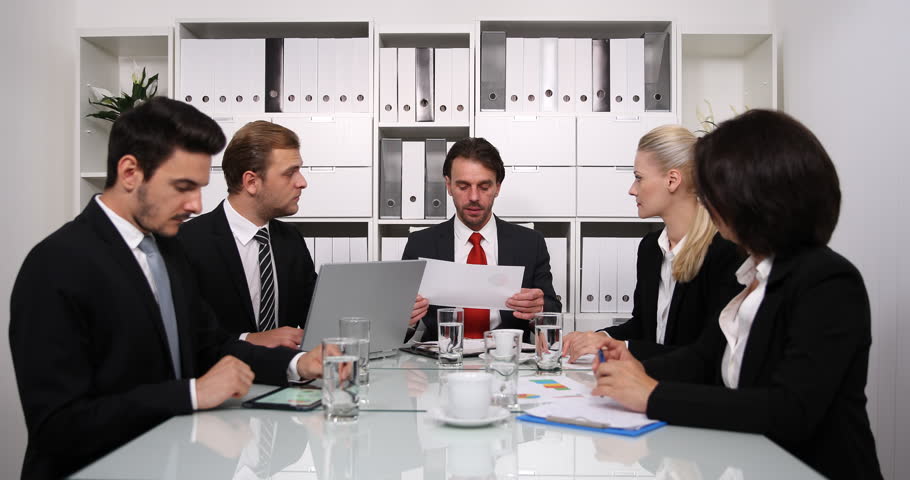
(390, 178)
(493, 71)
(435, 194)
(657, 71)
(423, 83)
(274, 71)
(600, 80)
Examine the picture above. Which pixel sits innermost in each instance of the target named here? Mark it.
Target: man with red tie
(474, 173)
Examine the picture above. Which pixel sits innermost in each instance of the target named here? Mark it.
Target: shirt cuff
(243, 335)
(293, 375)
(193, 401)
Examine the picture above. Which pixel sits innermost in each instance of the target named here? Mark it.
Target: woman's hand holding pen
(622, 377)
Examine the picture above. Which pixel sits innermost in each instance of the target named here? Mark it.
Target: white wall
(38, 45)
(37, 53)
(845, 73)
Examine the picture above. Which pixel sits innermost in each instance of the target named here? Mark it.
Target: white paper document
(593, 410)
(470, 286)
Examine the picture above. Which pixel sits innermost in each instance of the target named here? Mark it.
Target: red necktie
(476, 320)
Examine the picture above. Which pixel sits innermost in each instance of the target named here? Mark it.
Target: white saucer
(494, 415)
(522, 358)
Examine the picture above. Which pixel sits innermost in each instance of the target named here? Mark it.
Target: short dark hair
(771, 182)
(152, 131)
(479, 150)
(250, 149)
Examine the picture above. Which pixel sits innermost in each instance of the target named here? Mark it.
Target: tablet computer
(299, 398)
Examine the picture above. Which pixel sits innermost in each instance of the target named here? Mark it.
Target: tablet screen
(291, 398)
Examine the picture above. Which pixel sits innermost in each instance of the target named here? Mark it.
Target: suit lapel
(227, 247)
(650, 290)
(121, 253)
(764, 323)
(281, 251)
(505, 254)
(679, 291)
(181, 309)
(445, 242)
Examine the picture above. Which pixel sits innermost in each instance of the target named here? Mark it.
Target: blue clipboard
(615, 431)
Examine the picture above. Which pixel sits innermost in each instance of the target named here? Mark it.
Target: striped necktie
(266, 282)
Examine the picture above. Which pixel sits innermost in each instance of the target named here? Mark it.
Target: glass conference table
(397, 438)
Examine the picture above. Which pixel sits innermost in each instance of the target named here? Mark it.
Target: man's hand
(526, 303)
(576, 344)
(282, 336)
(421, 305)
(310, 364)
(623, 378)
(230, 377)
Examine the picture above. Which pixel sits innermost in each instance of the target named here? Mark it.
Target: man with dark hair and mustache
(108, 332)
(474, 172)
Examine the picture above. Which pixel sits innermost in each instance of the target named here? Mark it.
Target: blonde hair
(673, 147)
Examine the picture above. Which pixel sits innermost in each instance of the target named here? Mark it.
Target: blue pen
(600, 355)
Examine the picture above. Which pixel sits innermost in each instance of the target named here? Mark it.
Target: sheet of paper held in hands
(594, 411)
(470, 286)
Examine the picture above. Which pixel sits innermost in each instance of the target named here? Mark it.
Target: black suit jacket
(89, 348)
(518, 246)
(803, 371)
(212, 252)
(694, 303)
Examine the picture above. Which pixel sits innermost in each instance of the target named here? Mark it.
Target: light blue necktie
(165, 300)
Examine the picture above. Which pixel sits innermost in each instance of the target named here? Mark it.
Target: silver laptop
(384, 292)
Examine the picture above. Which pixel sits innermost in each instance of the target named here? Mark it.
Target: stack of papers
(593, 412)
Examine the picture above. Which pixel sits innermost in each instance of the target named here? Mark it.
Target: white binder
(388, 85)
(557, 247)
(549, 67)
(309, 75)
(583, 74)
(590, 275)
(248, 57)
(341, 250)
(619, 83)
(461, 85)
(627, 258)
(413, 172)
(607, 301)
(291, 79)
(197, 80)
(358, 249)
(325, 84)
(344, 69)
(406, 88)
(360, 74)
(565, 78)
(531, 75)
(323, 252)
(223, 75)
(515, 99)
(443, 81)
(635, 74)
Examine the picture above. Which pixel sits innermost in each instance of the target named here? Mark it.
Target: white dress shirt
(489, 244)
(132, 236)
(737, 317)
(244, 232)
(667, 282)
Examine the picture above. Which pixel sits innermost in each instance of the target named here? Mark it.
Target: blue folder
(626, 432)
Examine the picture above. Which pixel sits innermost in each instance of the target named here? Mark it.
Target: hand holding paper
(471, 286)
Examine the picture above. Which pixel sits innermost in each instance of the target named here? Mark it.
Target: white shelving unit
(591, 152)
(105, 58)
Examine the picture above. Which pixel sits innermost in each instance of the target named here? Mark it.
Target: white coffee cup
(504, 340)
(469, 395)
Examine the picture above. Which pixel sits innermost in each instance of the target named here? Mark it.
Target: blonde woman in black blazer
(788, 356)
(685, 271)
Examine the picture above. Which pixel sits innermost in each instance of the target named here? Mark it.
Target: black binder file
(390, 178)
(424, 76)
(657, 72)
(435, 196)
(493, 71)
(274, 73)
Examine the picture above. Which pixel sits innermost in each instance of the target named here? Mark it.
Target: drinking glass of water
(450, 322)
(502, 350)
(358, 328)
(548, 340)
(340, 391)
